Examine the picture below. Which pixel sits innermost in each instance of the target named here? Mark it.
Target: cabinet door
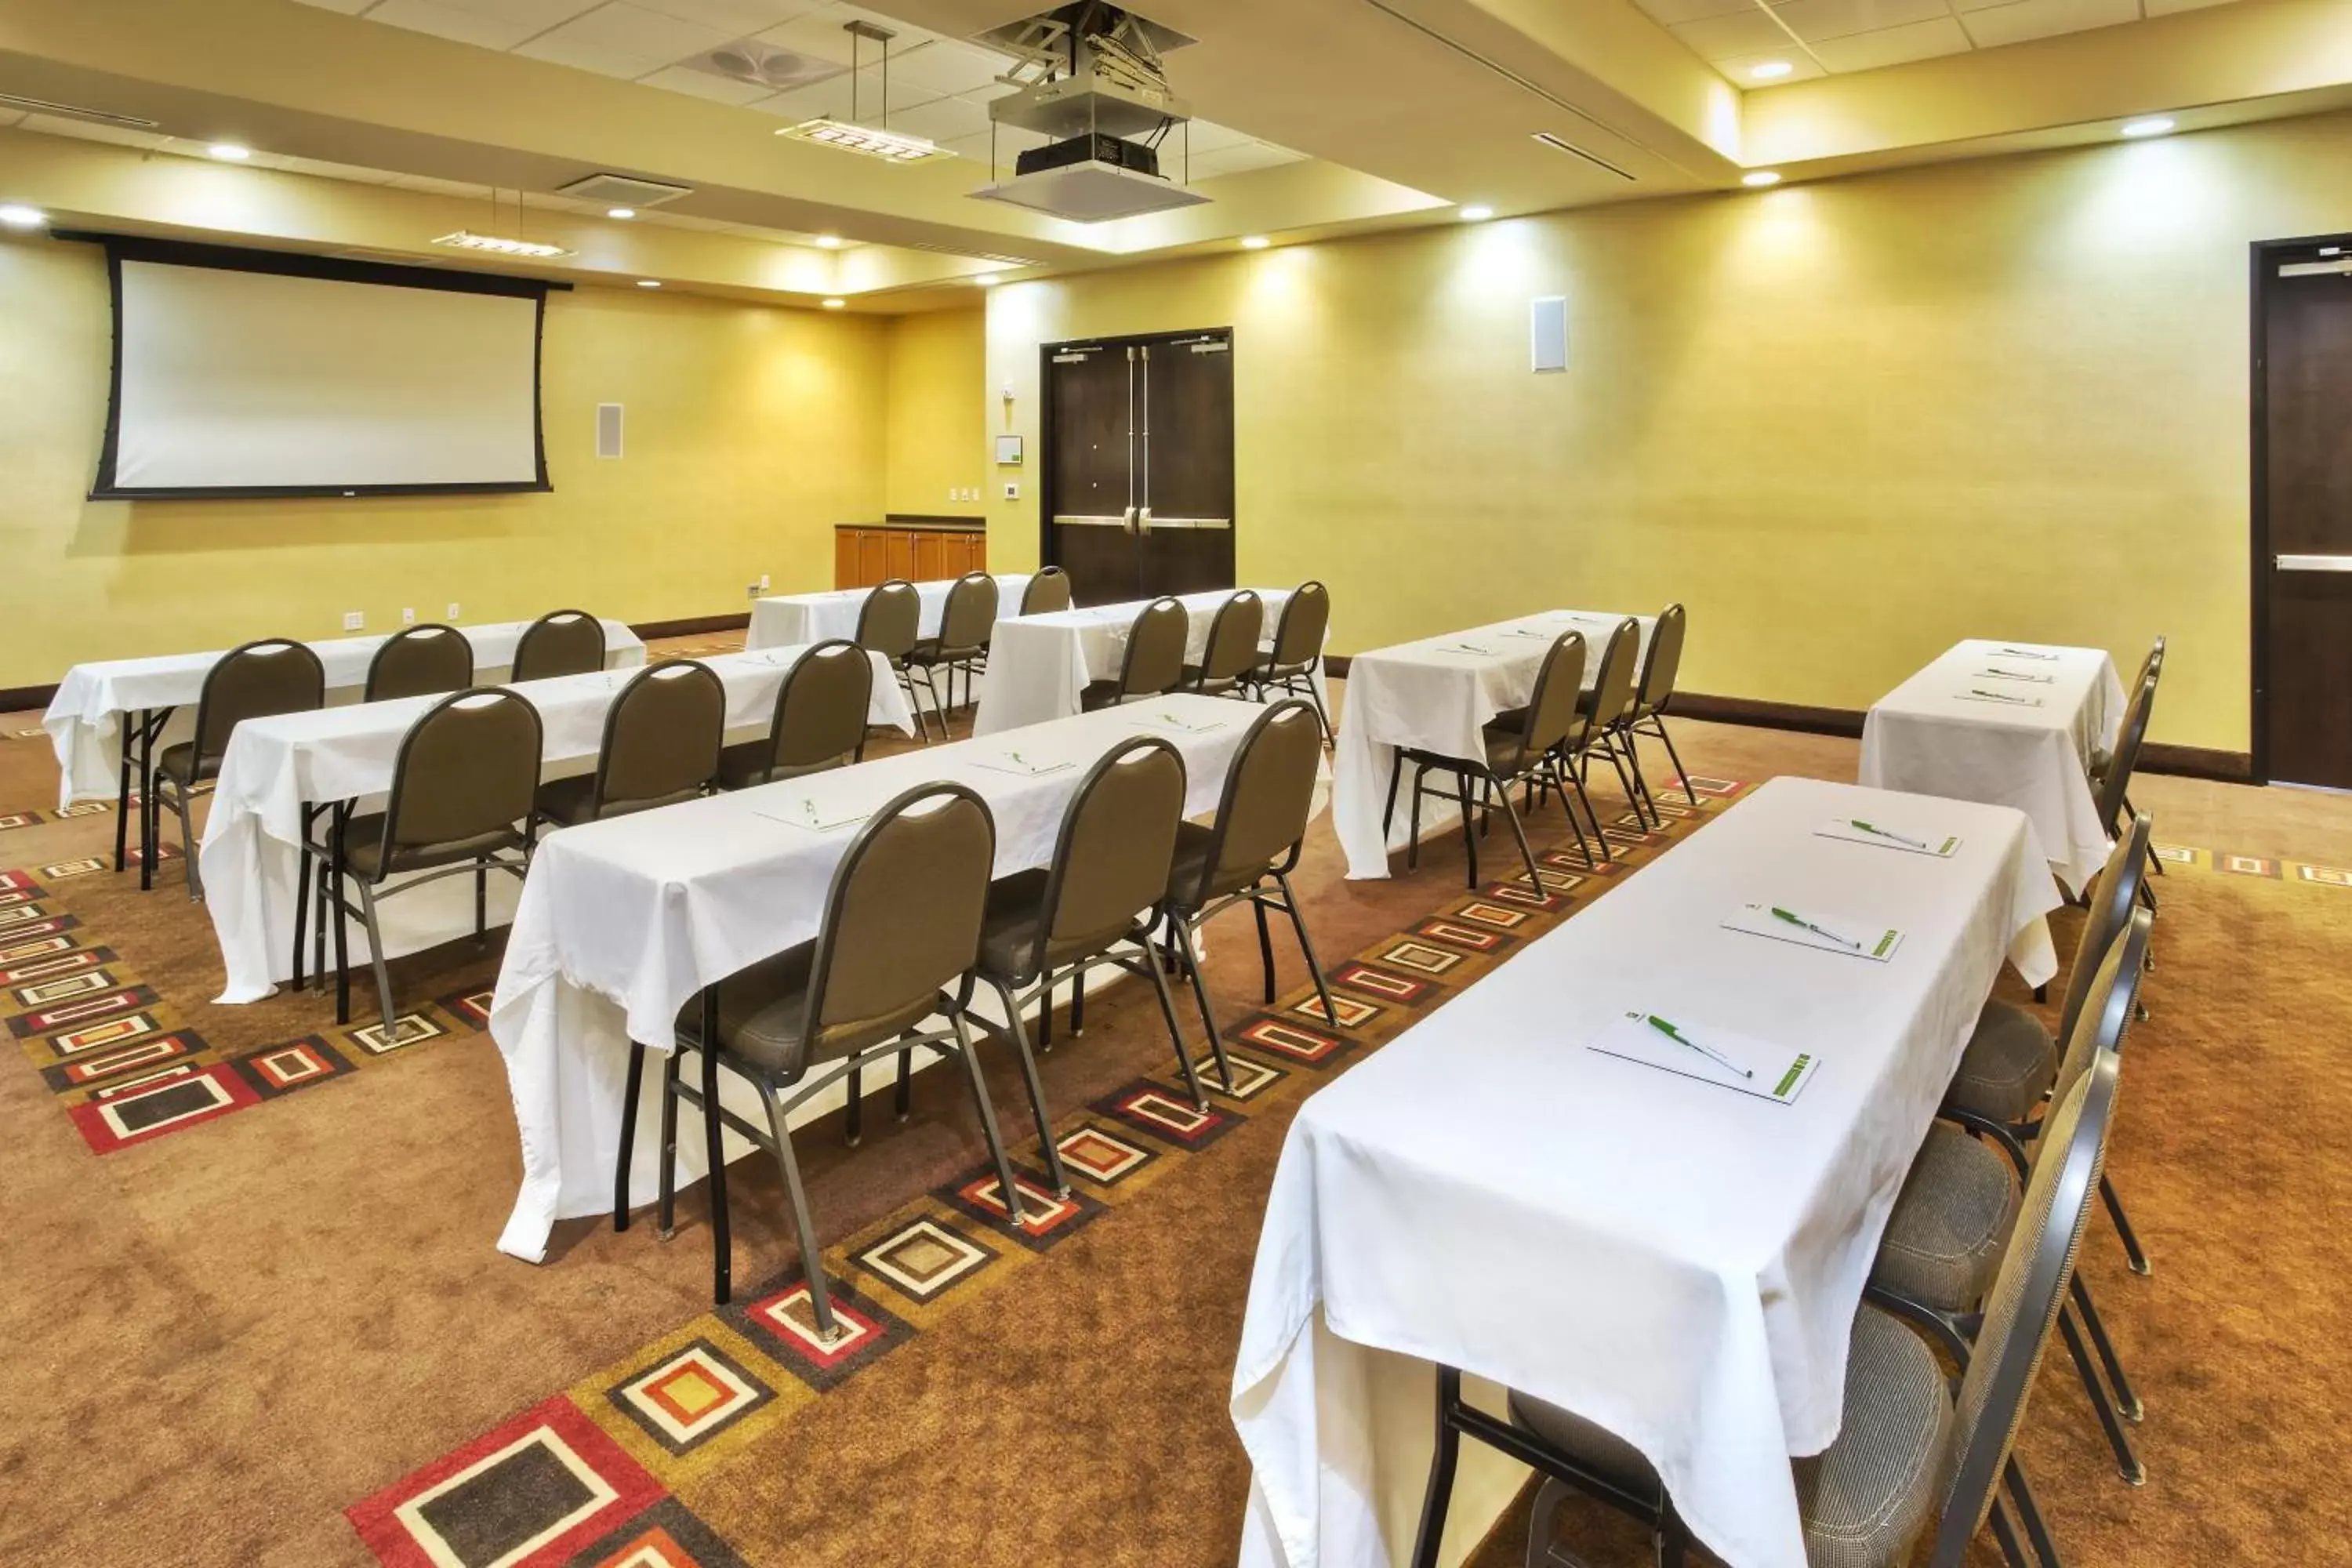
(932, 561)
(844, 559)
(978, 547)
(899, 547)
(873, 556)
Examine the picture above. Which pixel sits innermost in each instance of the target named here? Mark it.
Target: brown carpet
(222, 1339)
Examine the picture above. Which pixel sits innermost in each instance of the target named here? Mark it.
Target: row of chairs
(913, 925)
(277, 675)
(1236, 660)
(890, 621)
(1549, 745)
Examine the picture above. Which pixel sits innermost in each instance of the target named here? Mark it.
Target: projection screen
(258, 374)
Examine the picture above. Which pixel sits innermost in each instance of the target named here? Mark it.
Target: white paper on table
(1529, 631)
(1988, 673)
(2005, 651)
(1864, 939)
(1891, 838)
(1010, 762)
(1179, 725)
(1468, 648)
(1771, 1072)
(2004, 699)
(816, 818)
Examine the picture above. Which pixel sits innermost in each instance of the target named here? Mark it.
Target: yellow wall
(752, 431)
(935, 436)
(1846, 424)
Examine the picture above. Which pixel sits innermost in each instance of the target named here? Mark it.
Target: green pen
(1681, 1039)
(1795, 919)
(1994, 696)
(1881, 832)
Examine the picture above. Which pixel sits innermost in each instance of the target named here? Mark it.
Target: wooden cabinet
(864, 556)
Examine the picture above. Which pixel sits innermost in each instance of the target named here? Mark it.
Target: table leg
(147, 824)
(122, 804)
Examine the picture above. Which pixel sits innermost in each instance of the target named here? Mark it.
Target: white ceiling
(1826, 38)
(938, 87)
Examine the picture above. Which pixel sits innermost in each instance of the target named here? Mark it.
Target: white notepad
(1027, 768)
(1153, 719)
(1998, 699)
(1708, 1054)
(1891, 836)
(2005, 651)
(1988, 673)
(1835, 933)
(814, 816)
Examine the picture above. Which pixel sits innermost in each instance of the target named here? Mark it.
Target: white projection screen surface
(233, 381)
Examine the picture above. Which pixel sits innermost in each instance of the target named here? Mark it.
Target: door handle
(2312, 563)
(1206, 522)
(1091, 521)
(1143, 521)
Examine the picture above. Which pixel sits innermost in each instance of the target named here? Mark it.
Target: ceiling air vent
(76, 111)
(1559, 144)
(623, 191)
(762, 64)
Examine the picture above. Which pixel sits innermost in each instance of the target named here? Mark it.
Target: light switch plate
(353, 621)
(408, 618)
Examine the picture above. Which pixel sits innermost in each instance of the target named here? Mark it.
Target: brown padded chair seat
(364, 845)
(1191, 856)
(176, 762)
(745, 764)
(565, 800)
(1008, 935)
(2008, 1066)
(1950, 1224)
(763, 1011)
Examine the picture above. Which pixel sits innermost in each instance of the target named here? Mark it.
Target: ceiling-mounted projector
(1091, 80)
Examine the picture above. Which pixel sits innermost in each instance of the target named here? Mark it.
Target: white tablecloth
(799, 618)
(1038, 665)
(1673, 1259)
(251, 848)
(84, 720)
(1418, 694)
(1928, 738)
(623, 922)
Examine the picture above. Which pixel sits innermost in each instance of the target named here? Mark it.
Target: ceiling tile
(833, 96)
(1813, 20)
(821, 33)
(1741, 68)
(581, 55)
(2028, 19)
(1738, 33)
(448, 22)
(948, 66)
(706, 84)
(1893, 45)
(736, 18)
(942, 119)
(1672, 11)
(426, 183)
(536, 15)
(319, 168)
(624, 28)
(1247, 156)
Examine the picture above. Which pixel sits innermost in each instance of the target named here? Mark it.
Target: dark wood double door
(1138, 465)
(2303, 565)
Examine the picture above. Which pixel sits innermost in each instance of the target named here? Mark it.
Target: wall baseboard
(20, 698)
(692, 626)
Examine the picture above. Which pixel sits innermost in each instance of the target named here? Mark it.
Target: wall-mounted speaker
(608, 429)
(1547, 334)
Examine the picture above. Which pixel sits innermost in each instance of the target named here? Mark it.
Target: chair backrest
(1155, 649)
(469, 766)
(2108, 905)
(1111, 859)
(662, 736)
(2022, 1306)
(2125, 758)
(2151, 667)
(1612, 686)
(561, 642)
(891, 619)
(1268, 795)
(1663, 660)
(418, 661)
(1298, 635)
(270, 675)
(1048, 590)
(902, 920)
(2114, 996)
(1559, 687)
(821, 708)
(1234, 633)
(970, 613)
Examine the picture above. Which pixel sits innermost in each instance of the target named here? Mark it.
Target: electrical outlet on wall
(751, 590)
(763, 581)
(453, 609)
(353, 621)
(408, 618)
(1011, 493)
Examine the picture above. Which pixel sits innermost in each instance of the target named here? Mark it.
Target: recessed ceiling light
(988, 280)
(834, 304)
(1477, 214)
(1770, 70)
(229, 151)
(648, 282)
(622, 212)
(829, 241)
(2154, 125)
(464, 239)
(1760, 177)
(1254, 242)
(16, 217)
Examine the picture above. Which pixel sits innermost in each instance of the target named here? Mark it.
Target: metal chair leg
(1396, 772)
(2128, 1400)
(375, 953)
(188, 847)
(1551, 772)
(2130, 1238)
(1175, 1029)
(1306, 947)
(1413, 825)
(1681, 773)
(1577, 779)
(2029, 1514)
(902, 1097)
(714, 1143)
(2126, 1461)
(2010, 1552)
(1439, 1495)
(1469, 833)
(1543, 1519)
(665, 1205)
(988, 1122)
(1036, 1090)
(1200, 995)
(803, 1226)
(628, 1135)
(1264, 949)
(1511, 817)
(852, 1110)
(1078, 1003)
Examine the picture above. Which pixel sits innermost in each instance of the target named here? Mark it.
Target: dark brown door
(1140, 466)
(2307, 385)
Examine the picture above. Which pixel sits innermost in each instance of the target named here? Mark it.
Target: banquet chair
(1952, 1221)
(464, 788)
(1230, 652)
(965, 623)
(2151, 670)
(819, 721)
(1255, 838)
(1660, 665)
(1293, 663)
(2115, 784)
(561, 642)
(1048, 590)
(1153, 662)
(255, 680)
(662, 736)
(1111, 858)
(888, 623)
(1611, 704)
(420, 661)
(1520, 752)
(901, 927)
(1917, 1464)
